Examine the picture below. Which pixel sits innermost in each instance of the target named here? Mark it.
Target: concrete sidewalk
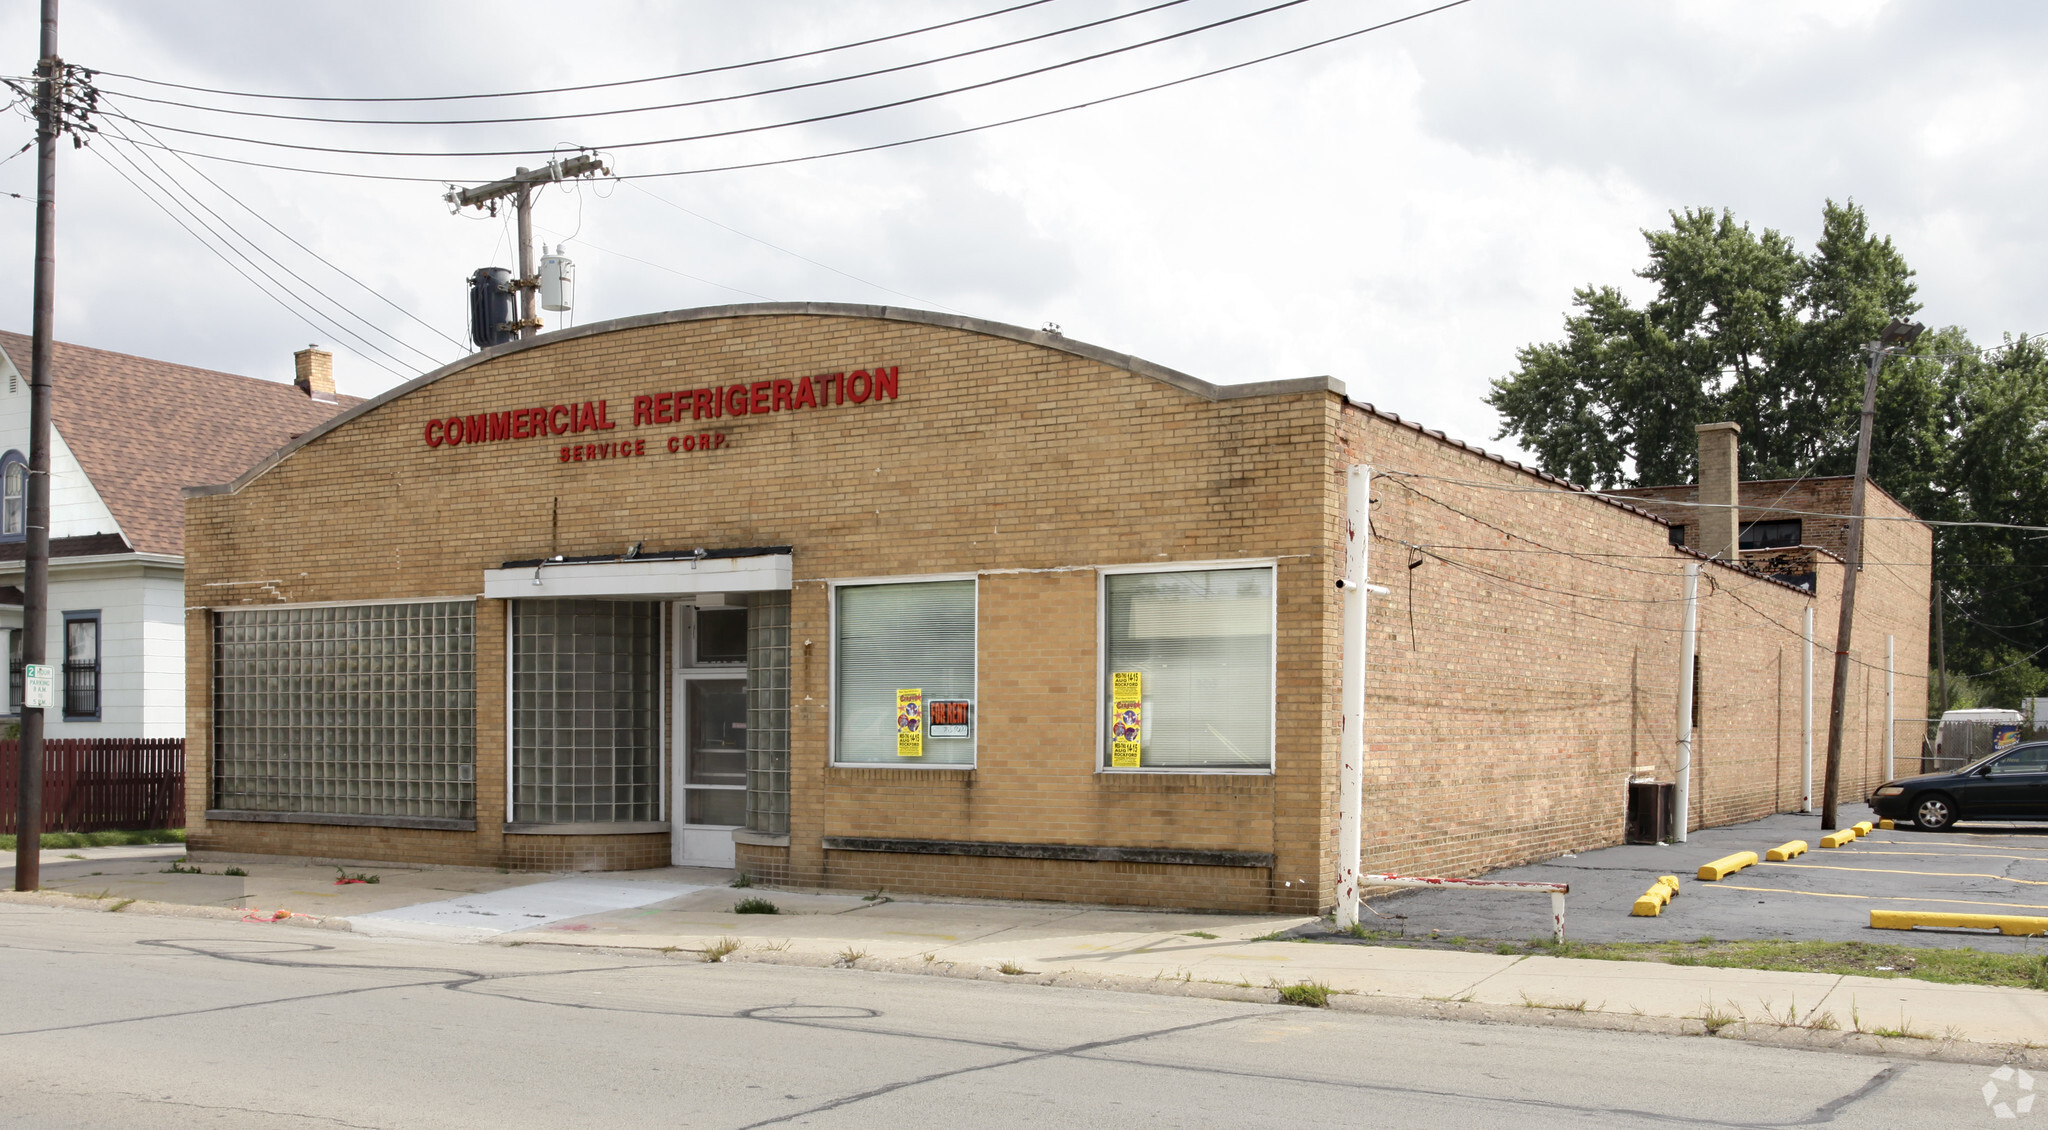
(692, 910)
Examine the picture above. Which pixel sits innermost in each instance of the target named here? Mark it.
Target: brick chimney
(313, 369)
(1720, 491)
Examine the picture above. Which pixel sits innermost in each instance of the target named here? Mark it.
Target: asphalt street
(1825, 895)
(159, 1022)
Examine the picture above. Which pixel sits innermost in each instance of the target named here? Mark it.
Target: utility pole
(1688, 663)
(35, 604)
(519, 186)
(1897, 335)
(1940, 646)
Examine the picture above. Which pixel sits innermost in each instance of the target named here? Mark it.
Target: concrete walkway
(684, 911)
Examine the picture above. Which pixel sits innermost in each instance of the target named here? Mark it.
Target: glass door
(711, 734)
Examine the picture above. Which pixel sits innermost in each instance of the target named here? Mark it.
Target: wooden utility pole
(35, 603)
(519, 186)
(1898, 334)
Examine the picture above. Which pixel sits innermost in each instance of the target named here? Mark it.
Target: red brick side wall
(1512, 688)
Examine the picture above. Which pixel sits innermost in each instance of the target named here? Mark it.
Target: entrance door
(713, 770)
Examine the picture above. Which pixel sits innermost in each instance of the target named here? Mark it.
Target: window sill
(759, 839)
(429, 823)
(635, 828)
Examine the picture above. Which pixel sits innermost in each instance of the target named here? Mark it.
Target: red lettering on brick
(859, 386)
(501, 425)
(781, 395)
(885, 382)
(806, 396)
(736, 400)
(434, 432)
(759, 401)
(602, 421)
(558, 419)
(643, 410)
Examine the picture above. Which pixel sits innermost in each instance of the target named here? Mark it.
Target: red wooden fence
(102, 784)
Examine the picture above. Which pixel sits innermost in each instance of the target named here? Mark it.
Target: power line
(657, 107)
(1636, 502)
(742, 130)
(792, 254)
(171, 181)
(939, 136)
(267, 292)
(586, 86)
(373, 291)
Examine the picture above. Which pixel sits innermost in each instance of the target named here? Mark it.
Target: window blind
(1202, 644)
(918, 635)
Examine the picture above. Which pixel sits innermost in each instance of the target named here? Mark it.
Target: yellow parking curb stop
(1727, 865)
(1652, 902)
(2018, 925)
(1861, 828)
(1786, 850)
(1837, 839)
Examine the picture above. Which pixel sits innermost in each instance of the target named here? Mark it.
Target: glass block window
(586, 734)
(367, 710)
(1199, 646)
(768, 713)
(893, 638)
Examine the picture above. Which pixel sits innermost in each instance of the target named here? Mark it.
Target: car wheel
(1934, 812)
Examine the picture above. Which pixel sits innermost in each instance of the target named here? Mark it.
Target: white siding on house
(142, 644)
(76, 509)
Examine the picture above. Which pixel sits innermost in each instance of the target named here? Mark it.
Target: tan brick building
(860, 598)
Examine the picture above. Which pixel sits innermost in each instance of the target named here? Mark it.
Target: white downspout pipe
(1890, 705)
(1688, 651)
(1351, 751)
(1806, 718)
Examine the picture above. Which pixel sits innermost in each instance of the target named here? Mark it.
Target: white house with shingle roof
(126, 434)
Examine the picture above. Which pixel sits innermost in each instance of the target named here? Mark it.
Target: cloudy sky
(1401, 209)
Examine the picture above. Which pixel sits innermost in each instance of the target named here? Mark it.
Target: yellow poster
(1126, 718)
(910, 722)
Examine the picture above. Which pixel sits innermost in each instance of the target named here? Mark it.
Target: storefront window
(768, 713)
(900, 646)
(586, 743)
(1188, 670)
(365, 711)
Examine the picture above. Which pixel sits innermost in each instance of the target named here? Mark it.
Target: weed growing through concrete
(120, 905)
(718, 950)
(235, 871)
(73, 855)
(741, 881)
(1204, 934)
(1011, 969)
(1556, 1006)
(178, 867)
(776, 947)
(1307, 994)
(1825, 1022)
(355, 877)
(851, 956)
(755, 906)
(1715, 1019)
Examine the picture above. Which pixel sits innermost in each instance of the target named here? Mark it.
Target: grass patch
(1715, 1019)
(178, 868)
(235, 871)
(344, 876)
(851, 955)
(1011, 969)
(1959, 966)
(1556, 1006)
(755, 906)
(741, 881)
(1307, 994)
(53, 841)
(1947, 966)
(1203, 934)
(120, 906)
(720, 949)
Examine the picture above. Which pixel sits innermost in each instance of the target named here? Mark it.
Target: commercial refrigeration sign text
(591, 419)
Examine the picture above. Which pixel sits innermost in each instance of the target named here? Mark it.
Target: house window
(1678, 534)
(1771, 535)
(1188, 669)
(892, 640)
(356, 710)
(586, 712)
(13, 495)
(81, 666)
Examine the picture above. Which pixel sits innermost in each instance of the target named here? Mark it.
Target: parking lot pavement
(1824, 895)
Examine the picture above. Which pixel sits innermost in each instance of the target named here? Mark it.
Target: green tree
(1743, 326)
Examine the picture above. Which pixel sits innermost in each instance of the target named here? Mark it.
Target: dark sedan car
(2005, 786)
